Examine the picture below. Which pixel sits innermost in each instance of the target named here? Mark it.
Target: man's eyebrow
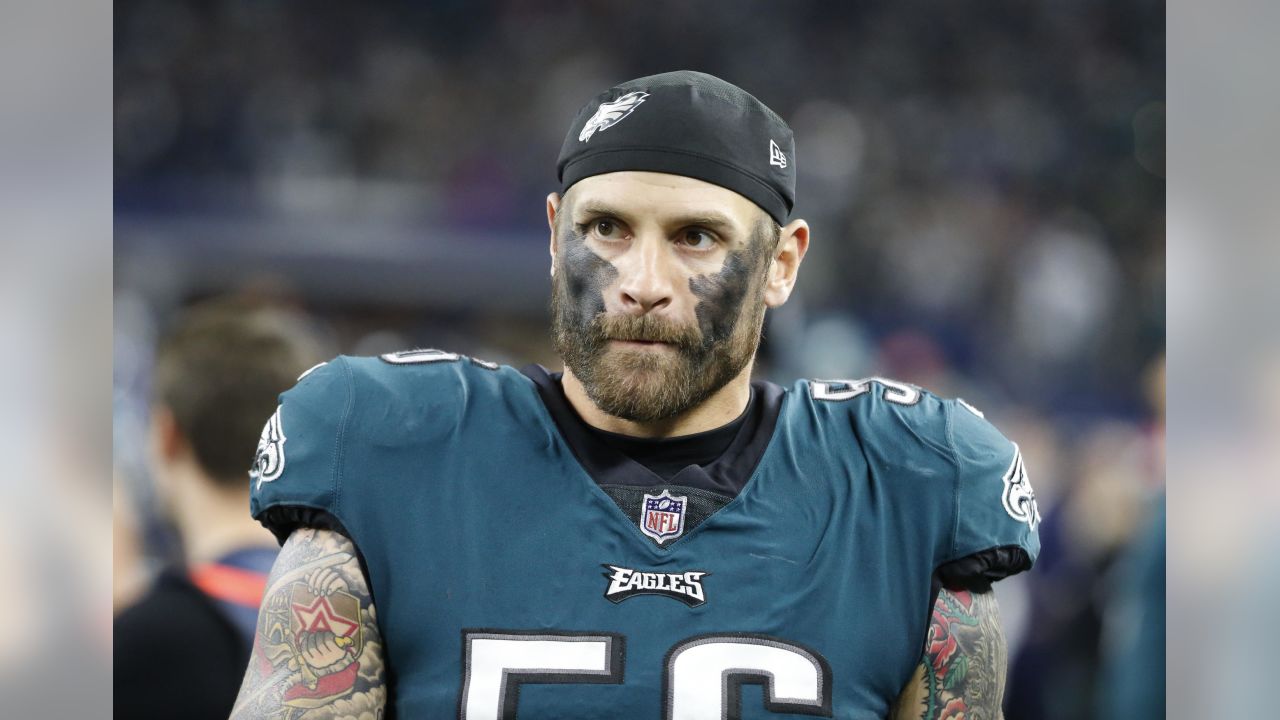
(709, 219)
(591, 207)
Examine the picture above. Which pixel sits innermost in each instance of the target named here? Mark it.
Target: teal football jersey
(509, 584)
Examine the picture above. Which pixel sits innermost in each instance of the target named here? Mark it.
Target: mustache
(646, 328)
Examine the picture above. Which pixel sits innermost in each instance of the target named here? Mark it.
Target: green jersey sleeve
(298, 466)
(996, 513)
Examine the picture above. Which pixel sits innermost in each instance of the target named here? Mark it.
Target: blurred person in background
(128, 574)
(180, 649)
(1238, 660)
(1131, 673)
(1101, 654)
(1131, 676)
(834, 544)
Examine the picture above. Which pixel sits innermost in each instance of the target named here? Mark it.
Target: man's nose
(645, 280)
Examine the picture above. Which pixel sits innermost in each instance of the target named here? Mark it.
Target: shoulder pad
(409, 396)
(341, 411)
(891, 418)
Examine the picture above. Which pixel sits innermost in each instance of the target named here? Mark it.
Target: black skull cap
(685, 123)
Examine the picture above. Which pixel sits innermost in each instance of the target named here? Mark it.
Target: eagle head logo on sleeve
(268, 463)
(609, 113)
(1018, 498)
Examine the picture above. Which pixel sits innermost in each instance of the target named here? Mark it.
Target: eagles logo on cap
(609, 113)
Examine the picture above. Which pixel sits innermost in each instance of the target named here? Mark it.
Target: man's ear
(553, 207)
(167, 441)
(793, 243)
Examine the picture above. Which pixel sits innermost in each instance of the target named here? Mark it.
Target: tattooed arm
(963, 669)
(317, 652)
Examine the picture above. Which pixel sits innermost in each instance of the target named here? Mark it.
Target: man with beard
(649, 533)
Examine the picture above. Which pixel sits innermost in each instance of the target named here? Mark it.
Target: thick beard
(650, 386)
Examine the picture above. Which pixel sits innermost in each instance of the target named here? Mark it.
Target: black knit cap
(685, 123)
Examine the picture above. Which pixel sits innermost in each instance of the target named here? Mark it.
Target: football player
(649, 533)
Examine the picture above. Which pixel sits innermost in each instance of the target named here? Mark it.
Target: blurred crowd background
(985, 185)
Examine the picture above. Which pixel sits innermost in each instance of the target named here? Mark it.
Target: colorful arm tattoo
(317, 653)
(962, 673)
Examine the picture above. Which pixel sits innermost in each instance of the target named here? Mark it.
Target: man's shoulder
(879, 409)
(404, 369)
(349, 412)
(926, 445)
(421, 393)
(415, 380)
(898, 424)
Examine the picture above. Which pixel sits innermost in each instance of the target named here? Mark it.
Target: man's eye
(605, 228)
(698, 239)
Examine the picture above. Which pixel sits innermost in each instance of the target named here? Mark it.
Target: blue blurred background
(985, 183)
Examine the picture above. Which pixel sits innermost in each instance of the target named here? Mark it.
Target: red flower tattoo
(942, 644)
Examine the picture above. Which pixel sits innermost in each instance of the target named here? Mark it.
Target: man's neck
(214, 520)
(721, 408)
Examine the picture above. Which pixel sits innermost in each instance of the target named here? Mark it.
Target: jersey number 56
(703, 676)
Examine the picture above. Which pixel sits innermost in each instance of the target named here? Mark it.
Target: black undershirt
(668, 456)
(719, 461)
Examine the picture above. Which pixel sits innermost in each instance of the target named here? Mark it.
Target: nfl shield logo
(663, 516)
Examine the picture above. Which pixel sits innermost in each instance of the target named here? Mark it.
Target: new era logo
(775, 155)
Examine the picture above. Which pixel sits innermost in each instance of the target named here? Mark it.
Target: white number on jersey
(835, 390)
(703, 679)
(415, 357)
(419, 357)
(497, 663)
